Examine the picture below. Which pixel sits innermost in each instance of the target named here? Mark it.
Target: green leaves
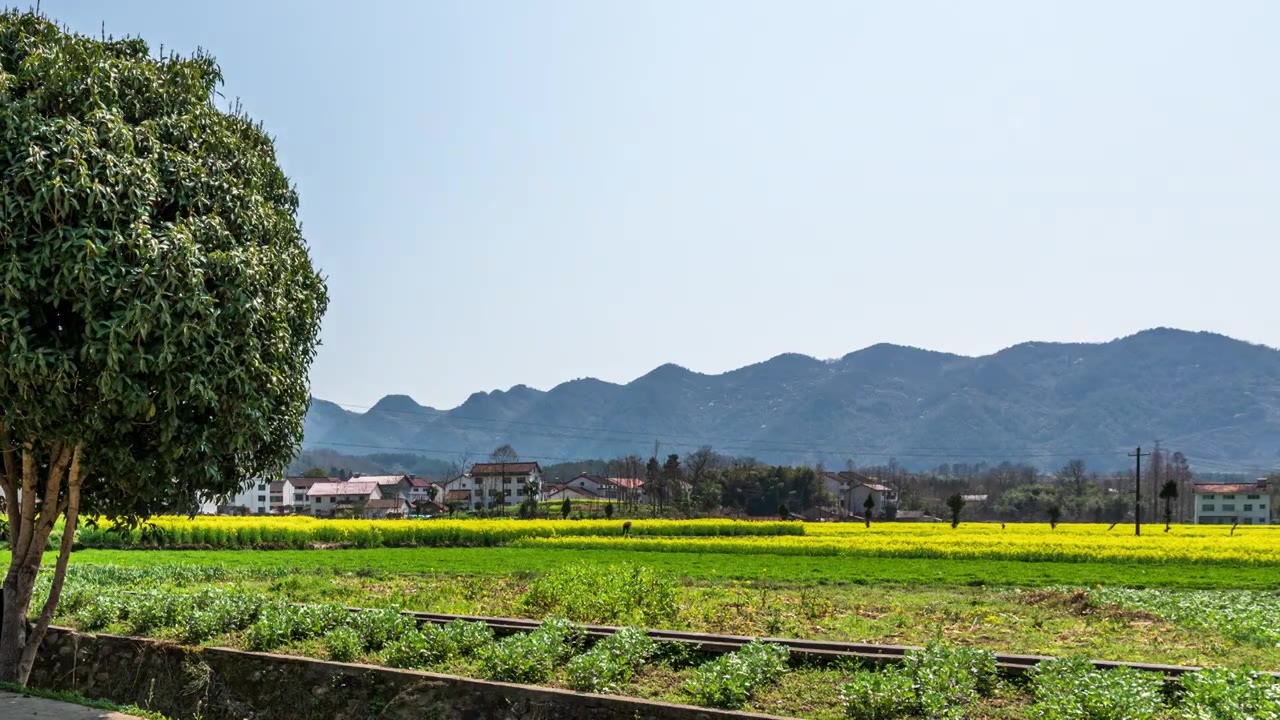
(158, 301)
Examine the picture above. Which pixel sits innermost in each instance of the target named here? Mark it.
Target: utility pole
(1156, 461)
(1137, 455)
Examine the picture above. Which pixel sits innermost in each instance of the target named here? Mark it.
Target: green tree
(955, 504)
(608, 511)
(867, 507)
(159, 309)
(565, 508)
(1055, 514)
(315, 473)
(653, 482)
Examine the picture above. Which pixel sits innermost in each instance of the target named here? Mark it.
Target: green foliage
(1230, 695)
(731, 679)
(343, 644)
(878, 695)
(378, 627)
(610, 663)
(955, 504)
(566, 507)
(436, 644)
(593, 593)
(530, 657)
(1072, 689)
(940, 682)
(1243, 615)
(158, 304)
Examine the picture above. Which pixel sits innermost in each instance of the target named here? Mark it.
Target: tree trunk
(18, 643)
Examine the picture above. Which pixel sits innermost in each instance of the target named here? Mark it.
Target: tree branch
(23, 536)
(9, 482)
(74, 482)
(49, 509)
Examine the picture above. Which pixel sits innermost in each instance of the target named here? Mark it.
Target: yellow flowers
(302, 531)
(974, 541)
(971, 541)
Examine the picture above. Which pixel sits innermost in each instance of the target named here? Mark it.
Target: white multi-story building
(1229, 504)
(500, 484)
(329, 498)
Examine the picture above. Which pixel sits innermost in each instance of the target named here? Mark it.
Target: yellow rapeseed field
(991, 541)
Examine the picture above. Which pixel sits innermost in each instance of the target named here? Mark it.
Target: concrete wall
(220, 684)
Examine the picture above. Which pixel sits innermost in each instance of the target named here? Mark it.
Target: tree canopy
(159, 309)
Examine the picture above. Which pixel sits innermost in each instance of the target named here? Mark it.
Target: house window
(1229, 508)
(262, 498)
(1253, 497)
(1228, 497)
(333, 500)
(506, 493)
(1207, 508)
(1262, 506)
(1208, 497)
(262, 486)
(299, 497)
(1248, 507)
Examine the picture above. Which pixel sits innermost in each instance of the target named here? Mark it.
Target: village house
(391, 508)
(1229, 504)
(610, 488)
(461, 492)
(424, 491)
(389, 486)
(296, 492)
(505, 483)
(327, 499)
(559, 491)
(852, 489)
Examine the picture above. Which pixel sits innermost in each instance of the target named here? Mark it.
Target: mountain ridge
(1213, 397)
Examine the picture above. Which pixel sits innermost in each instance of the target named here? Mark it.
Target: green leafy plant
(528, 657)
(940, 682)
(611, 662)
(878, 695)
(343, 644)
(1222, 694)
(1073, 689)
(731, 679)
(623, 593)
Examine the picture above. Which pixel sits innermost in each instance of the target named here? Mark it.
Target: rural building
(1229, 504)
(559, 491)
(853, 488)
(462, 492)
(390, 508)
(296, 491)
(389, 486)
(424, 491)
(504, 483)
(327, 499)
(610, 488)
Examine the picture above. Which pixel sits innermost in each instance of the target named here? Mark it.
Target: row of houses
(487, 485)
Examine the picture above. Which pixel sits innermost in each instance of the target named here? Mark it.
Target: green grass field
(760, 569)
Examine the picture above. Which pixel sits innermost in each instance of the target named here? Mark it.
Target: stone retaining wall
(220, 684)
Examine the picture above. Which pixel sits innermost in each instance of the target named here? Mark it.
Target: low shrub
(731, 679)
(878, 695)
(611, 662)
(435, 644)
(378, 627)
(1073, 689)
(1226, 694)
(528, 657)
(589, 593)
(940, 682)
(342, 644)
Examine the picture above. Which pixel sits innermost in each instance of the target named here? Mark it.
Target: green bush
(730, 680)
(530, 657)
(436, 644)
(343, 644)
(879, 695)
(1230, 695)
(97, 615)
(378, 627)
(1072, 689)
(611, 662)
(590, 593)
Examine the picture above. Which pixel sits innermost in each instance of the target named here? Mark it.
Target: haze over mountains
(1214, 398)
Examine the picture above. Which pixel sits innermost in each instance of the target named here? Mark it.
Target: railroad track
(815, 650)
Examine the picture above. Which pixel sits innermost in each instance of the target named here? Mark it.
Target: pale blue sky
(529, 192)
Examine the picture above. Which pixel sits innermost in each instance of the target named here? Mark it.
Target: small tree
(1168, 494)
(565, 508)
(867, 506)
(784, 512)
(159, 310)
(315, 473)
(1055, 514)
(608, 511)
(955, 503)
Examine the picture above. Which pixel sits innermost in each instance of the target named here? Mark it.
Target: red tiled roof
(1229, 489)
(343, 488)
(457, 495)
(499, 469)
(277, 487)
(389, 503)
(419, 483)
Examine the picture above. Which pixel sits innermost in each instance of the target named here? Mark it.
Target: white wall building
(1229, 504)
(329, 498)
(504, 483)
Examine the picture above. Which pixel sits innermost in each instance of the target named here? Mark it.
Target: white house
(559, 491)
(329, 498)
(254, 497)
(852, 490)
(388, 485)
(610, 488)
(461, 492)
(504, 483)
(1228, 504)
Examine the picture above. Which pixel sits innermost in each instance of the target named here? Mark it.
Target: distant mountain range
(1214, 398)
